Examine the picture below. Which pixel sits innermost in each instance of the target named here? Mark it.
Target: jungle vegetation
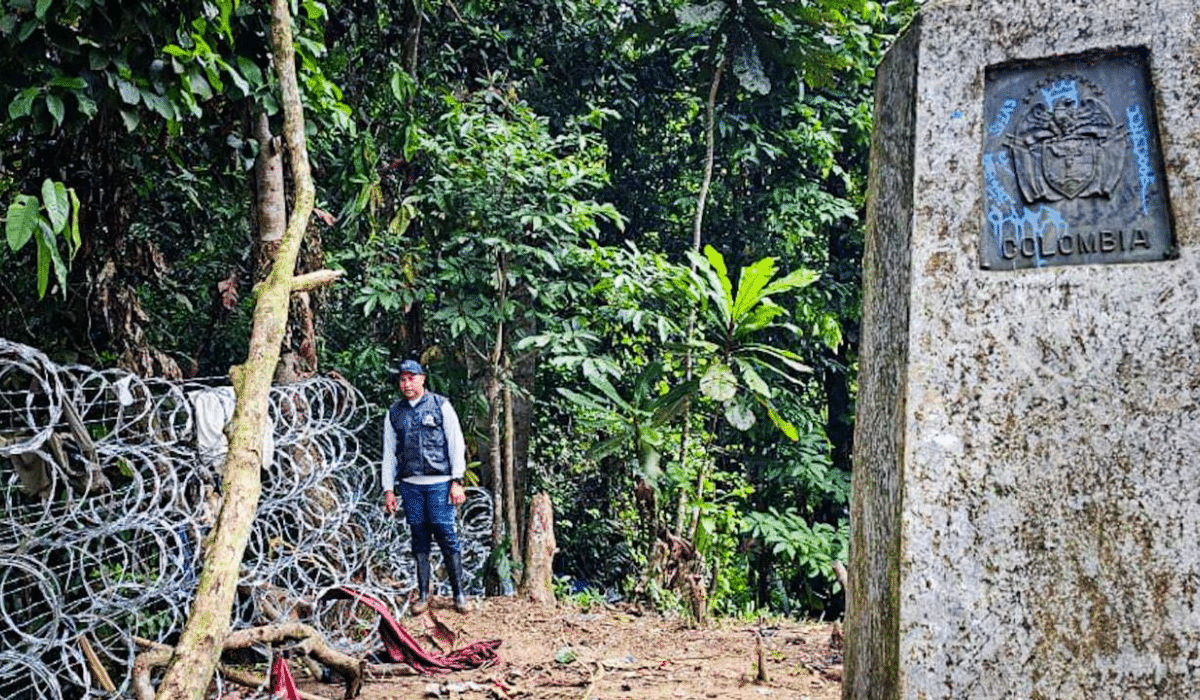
(623, 235)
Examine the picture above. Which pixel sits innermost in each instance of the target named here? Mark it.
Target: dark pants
(430, 516)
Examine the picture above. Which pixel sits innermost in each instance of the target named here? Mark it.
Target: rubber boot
(455, 572)
(422, 603)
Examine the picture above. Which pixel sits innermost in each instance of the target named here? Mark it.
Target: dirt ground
(613, 653)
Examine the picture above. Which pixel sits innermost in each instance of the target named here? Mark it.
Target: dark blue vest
(420, 437)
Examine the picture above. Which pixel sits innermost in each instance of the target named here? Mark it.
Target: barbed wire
(109, 483)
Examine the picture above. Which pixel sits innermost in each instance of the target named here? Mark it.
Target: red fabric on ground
(403, 648)
(281, 679)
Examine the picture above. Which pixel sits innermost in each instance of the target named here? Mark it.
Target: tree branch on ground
(310, 644)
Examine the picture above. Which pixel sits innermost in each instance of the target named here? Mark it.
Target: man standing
(424, 456)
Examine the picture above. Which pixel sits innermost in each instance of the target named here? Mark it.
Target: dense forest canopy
(624, 236)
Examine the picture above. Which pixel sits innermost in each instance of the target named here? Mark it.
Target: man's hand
(458, 495)
(389, 502)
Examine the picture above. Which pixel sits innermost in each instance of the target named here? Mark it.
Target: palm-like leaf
(734, 374)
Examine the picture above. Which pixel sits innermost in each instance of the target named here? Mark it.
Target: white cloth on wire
(212, 409)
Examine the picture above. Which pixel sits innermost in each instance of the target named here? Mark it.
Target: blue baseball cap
(410, 367)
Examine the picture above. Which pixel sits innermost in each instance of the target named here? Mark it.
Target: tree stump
(538, 580)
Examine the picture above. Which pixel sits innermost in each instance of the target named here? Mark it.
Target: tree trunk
(710, 125)
(538, 581)
(298, 352)
(495, 445)
(413, 19)
(200, 644)
(510, 471)
(111, 260)
(523, 373)
(495, 462)
(270, 200)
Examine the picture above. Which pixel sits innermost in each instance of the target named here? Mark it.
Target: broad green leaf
(214, 78)
(615, 445)
(787, 357)
(87, 106)
(785, 426)
(60, 267)
(584, 400)
(601, 382)
(717, 261)
(74, 240)
(22, 220)
(793, 280)
(829, 331)
(54, 105)
(718, 382)
(130, 94)
(754, 382)
(717, 290)
(169, 49)
(22, 104)
(161, 105)
(42, 6)
(758, 319)
(250, 70)
(751, 282)
(57, 203)
(46, 254)
(397, 85)
(225, 9)
(649, 458)
(198, 85)
(67, 82)
(740, 415)
(26, 30)
(101, 60)
(131, 119)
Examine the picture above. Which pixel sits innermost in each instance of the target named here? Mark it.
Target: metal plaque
(1072, 168)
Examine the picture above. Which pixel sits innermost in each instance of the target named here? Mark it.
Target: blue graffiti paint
(1139, 140)
(1062, 90)
(1001, 122)
(1017, 223)
(995, 191)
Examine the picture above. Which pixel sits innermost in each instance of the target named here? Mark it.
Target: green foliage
(102, 62)
(733, 361)
(530, 168)
(501, 568)
(46, 221)
(500, 206)
(636, 420)
(585, 598)
(802, 549)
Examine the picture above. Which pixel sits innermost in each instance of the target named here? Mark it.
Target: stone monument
(1026, 513)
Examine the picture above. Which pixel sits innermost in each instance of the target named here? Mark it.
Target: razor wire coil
(107, 495)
